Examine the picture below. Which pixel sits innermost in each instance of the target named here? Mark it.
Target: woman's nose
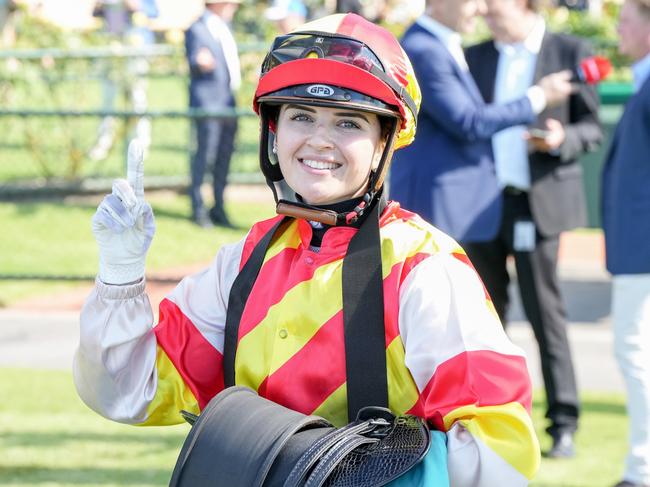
(321, 138)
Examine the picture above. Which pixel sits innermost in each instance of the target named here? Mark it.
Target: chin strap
(297, 209)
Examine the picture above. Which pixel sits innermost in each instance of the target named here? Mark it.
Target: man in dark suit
(214, 76)
(542, 190)
(447, 174)
(626, 222)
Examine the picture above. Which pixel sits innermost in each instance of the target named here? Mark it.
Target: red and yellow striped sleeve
(189, 338)
(473, 382)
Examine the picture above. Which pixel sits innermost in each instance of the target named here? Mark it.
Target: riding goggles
(306, 45)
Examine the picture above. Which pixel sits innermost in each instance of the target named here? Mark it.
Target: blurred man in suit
(125, 22)
(215, 76)
(542, 190)
(626, 222)
(447, 174)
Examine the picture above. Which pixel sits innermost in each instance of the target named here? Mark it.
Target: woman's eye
(349, 124)
(300, 117)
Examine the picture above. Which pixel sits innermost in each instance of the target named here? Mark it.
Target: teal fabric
(432, 470)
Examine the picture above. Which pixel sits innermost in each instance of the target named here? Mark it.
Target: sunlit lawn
(54, 238)
(49, 438)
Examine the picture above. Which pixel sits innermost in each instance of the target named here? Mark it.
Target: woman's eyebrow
(352, 114)
(307, 108)
(300, 107)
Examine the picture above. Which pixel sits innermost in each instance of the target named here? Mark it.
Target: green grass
(601, 444)
(49, 438)
(54, 238)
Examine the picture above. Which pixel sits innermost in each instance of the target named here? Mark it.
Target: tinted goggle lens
(300, 46)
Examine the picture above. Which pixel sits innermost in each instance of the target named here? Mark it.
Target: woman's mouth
(319, 165)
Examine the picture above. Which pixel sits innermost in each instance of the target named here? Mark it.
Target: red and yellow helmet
(340, 60)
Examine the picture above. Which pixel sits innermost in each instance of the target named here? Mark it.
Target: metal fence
(54, 104)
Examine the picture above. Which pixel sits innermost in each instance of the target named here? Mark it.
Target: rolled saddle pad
(243, 440)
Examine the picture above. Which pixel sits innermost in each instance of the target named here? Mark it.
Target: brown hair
(533, 5)
(644, 7)
(537, 5)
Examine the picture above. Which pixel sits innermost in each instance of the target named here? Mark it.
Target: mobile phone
(538, 133)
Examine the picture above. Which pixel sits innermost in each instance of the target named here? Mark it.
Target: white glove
(124, 225)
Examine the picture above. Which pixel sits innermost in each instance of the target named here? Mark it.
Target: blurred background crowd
(57, 58)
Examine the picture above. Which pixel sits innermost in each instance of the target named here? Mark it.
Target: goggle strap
(398, 89)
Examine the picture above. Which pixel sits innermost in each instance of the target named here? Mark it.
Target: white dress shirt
(450, 39)
(221, 32)
(515, 72)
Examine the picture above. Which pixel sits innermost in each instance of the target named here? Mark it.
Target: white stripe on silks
(443, 312)
(203, 297)
(471, 463)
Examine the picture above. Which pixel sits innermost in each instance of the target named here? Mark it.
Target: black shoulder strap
(239, 293)
(363, 318)
(363, 314)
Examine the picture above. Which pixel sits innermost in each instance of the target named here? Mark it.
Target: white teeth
(320, 164)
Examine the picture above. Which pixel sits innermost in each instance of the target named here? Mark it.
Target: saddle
(244, 440)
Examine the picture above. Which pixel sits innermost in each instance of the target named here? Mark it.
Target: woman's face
(326, 154)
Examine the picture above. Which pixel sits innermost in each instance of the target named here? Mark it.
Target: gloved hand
(124, 225)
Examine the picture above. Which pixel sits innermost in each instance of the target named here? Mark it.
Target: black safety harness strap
(363, 318)
(237, 299)
(363, 313)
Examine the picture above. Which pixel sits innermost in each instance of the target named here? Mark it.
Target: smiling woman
(326, 154)
(343, 300)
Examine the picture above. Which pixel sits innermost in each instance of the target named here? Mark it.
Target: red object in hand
(593, 69)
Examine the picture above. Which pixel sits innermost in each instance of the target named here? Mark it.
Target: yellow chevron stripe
(263, 350)
(393, 249)
(288, 239)
(335, 407)
(171, 396)
(402, 391)
(507, 430)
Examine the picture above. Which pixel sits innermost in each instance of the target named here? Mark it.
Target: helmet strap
(378, 175)
(268, 160)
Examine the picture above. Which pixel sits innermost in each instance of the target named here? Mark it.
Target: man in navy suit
(626, 222)
(542, 191)
(447, 174)
(214, 76)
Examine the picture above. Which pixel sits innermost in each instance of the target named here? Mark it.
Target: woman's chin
(318, 201)
(315, 197)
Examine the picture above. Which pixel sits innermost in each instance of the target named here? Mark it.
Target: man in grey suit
(626, 222)
(214, 77)
(542, 189)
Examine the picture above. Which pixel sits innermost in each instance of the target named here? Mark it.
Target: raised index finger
(135, 168)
